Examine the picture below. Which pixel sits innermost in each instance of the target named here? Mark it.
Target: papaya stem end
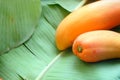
(79, 49)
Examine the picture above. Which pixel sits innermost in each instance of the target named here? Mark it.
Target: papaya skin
(99, 15)
(97, 45)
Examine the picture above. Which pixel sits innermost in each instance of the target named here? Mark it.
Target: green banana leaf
(18, 20)
(39, 58)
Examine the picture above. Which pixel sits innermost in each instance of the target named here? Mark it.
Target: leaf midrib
(40, 76)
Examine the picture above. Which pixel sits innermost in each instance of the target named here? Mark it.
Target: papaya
(98, 45)
(99, 15)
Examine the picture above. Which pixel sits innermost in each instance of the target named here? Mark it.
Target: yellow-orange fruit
(103, 14)
(97, 45)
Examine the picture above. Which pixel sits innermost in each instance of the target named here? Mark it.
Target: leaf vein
(40, 76)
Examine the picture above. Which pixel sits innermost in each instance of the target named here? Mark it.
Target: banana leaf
(39, 58)
(18, 20)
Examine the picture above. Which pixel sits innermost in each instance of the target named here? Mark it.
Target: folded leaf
(18, 19)
(71, 4)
